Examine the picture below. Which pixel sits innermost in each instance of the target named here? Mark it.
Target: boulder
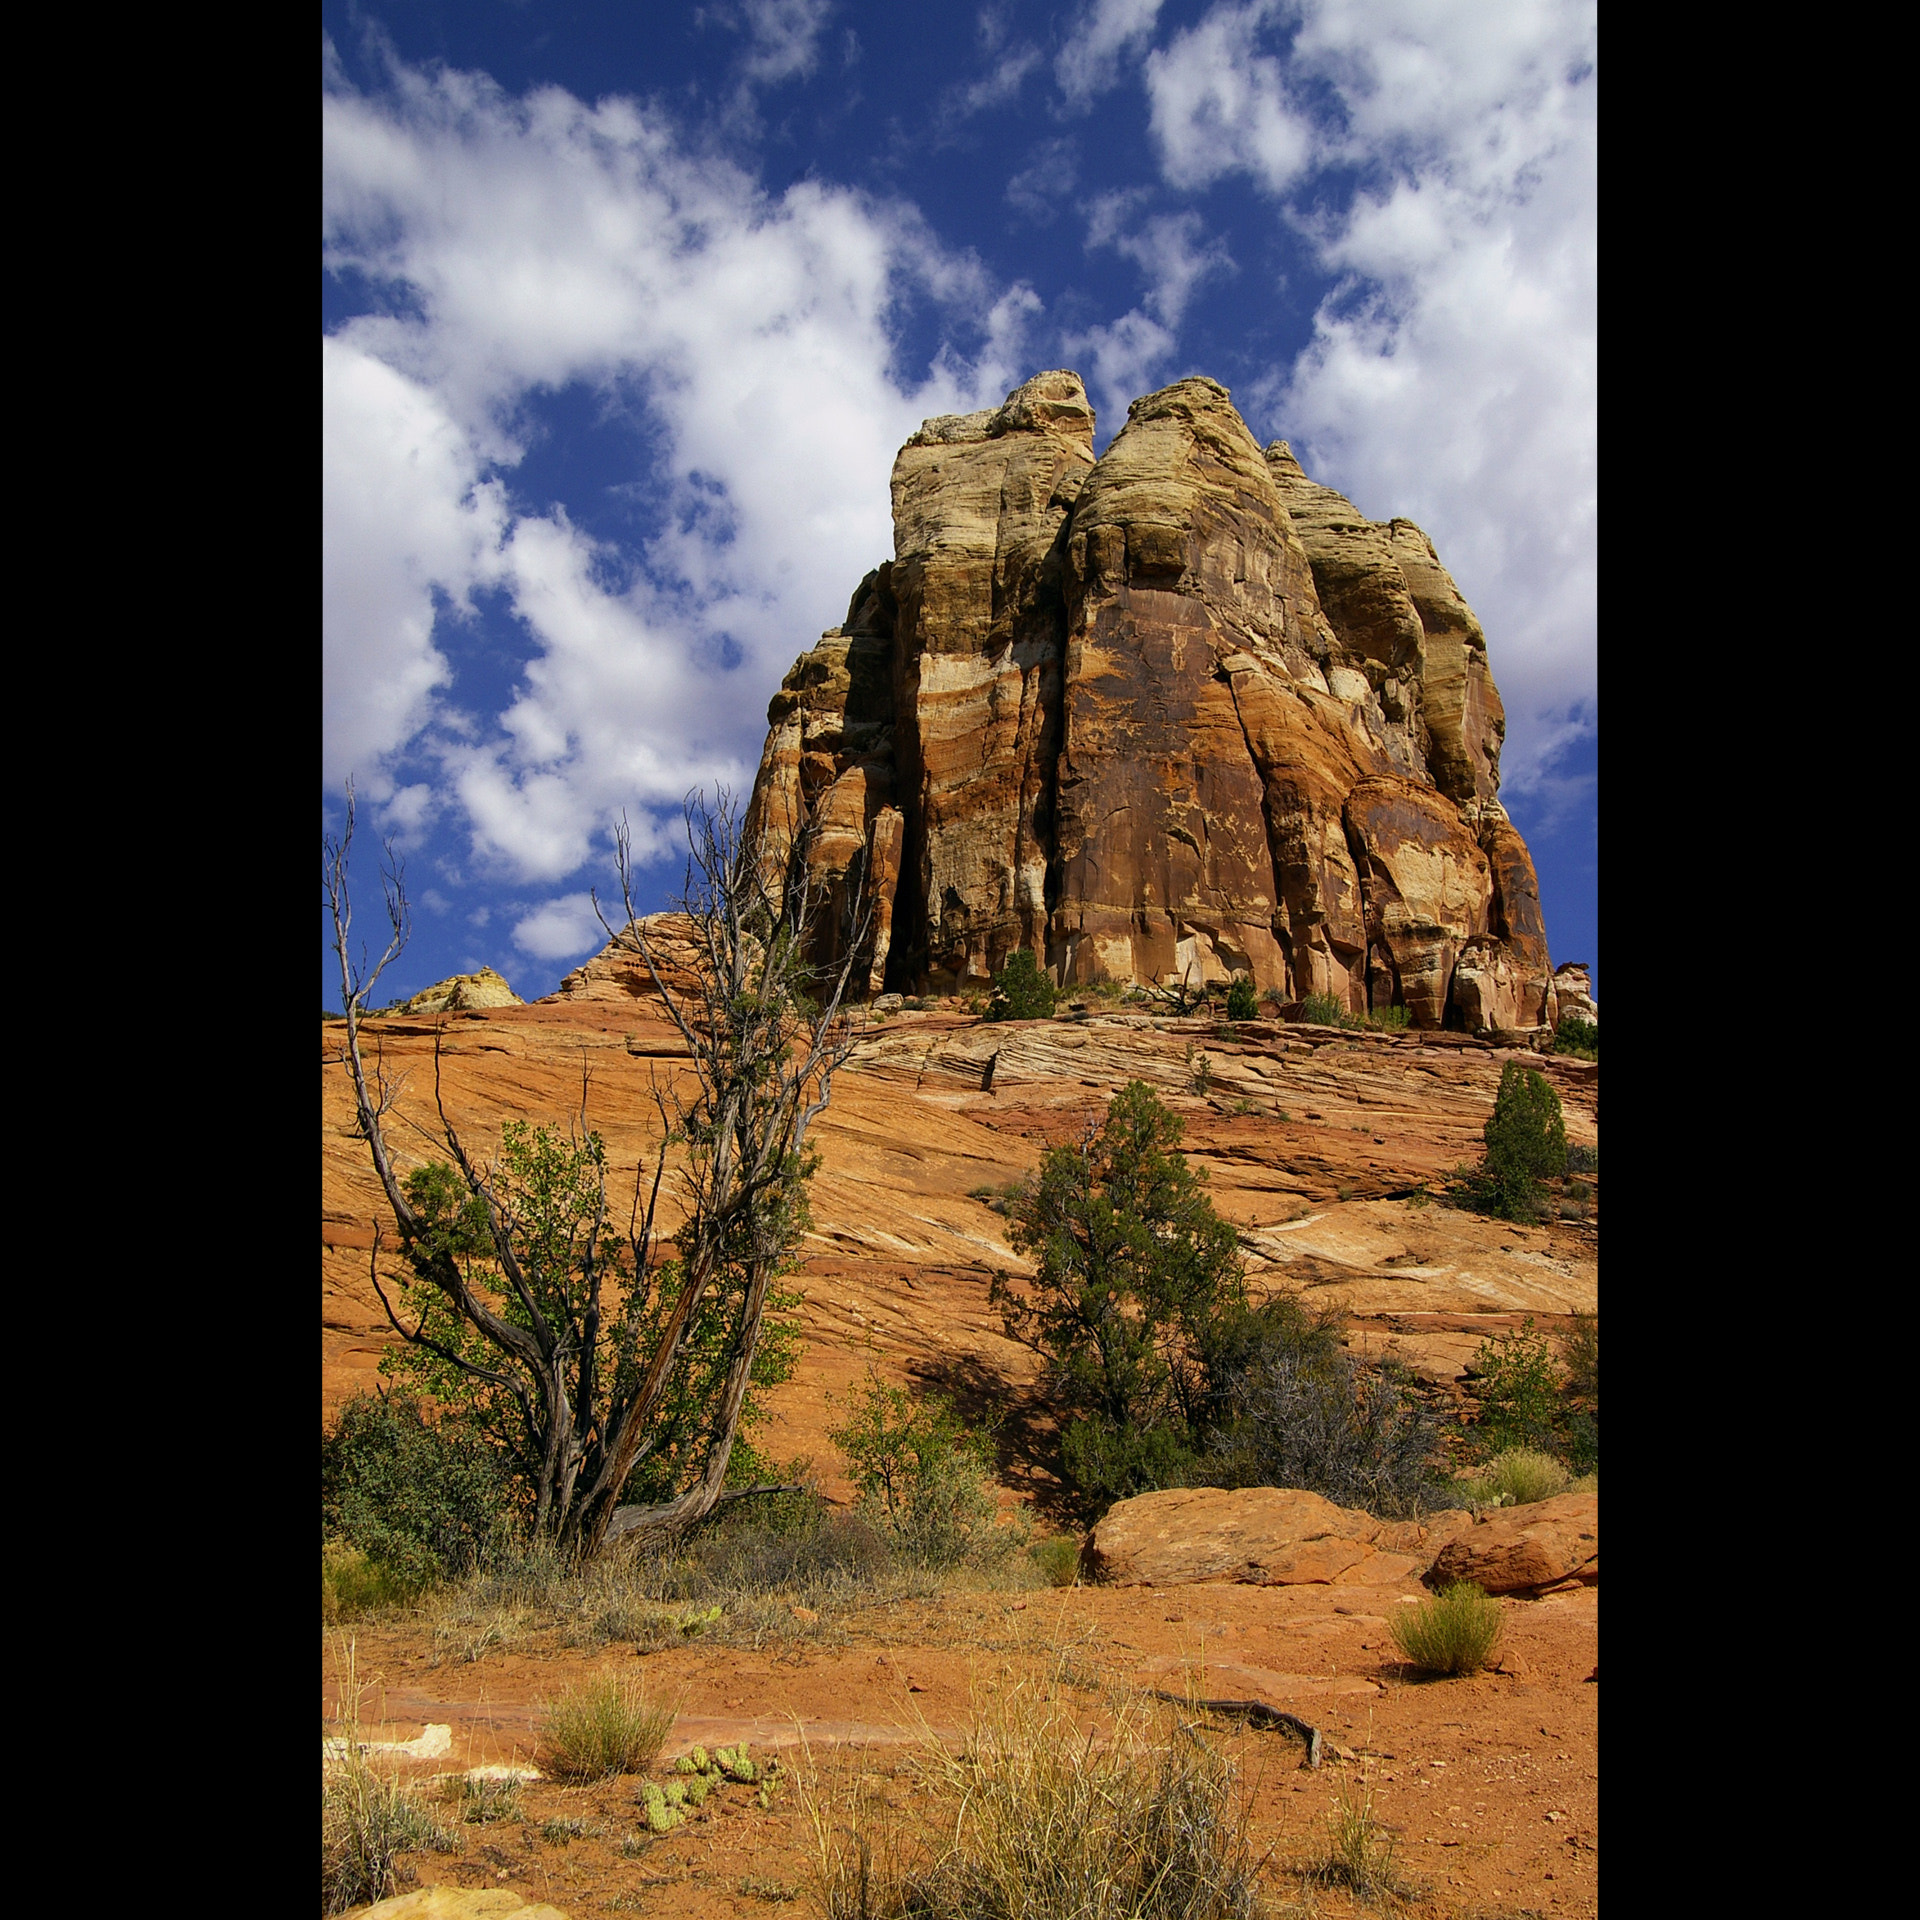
(1528, 1548)
(464, 992)
(1259, 1536)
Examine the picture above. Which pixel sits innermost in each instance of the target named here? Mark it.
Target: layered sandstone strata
(1172, 715)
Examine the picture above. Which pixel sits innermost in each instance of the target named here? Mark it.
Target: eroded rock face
(1173, 715)
(465, 992)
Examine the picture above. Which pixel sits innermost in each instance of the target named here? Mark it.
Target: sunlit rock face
(1172, 715)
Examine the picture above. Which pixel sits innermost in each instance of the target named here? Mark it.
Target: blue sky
(625, 310)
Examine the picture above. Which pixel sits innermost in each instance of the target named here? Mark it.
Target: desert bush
(1035, 1821)
(1322, 1010)
(1021, 991)
(366, 1822)
(1526, 1145)
(1361, 1438)
(1517, 1386)
(1243, 1001)
(1580, 1355)
(421, 1498)
(602, 1727)
(1578, 1035)
(1058, 1559)
(1456, 1632)
(1132, 1265)
(479, 1802)
(1390, 1019)
(924, 1479)
(351, 1584)
(1106, 1460)
(1519, 1477)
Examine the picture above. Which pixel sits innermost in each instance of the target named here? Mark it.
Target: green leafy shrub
(1526, 1145)
(1390, 1019)
(1132, 1265)
(1524, 1401)
(1518, 1388)
(924, 1479)
(1243, 1001)
(1454, 1633)
(421, 1498)
(1322, 1010)
(1021, 991)
(602, 1727)
(1577, 1035)
(1107, 1461)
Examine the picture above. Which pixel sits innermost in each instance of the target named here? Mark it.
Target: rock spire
(1174, 714)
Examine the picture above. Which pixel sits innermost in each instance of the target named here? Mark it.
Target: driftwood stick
(1256, 1713)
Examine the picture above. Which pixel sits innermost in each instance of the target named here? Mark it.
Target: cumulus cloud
(1451, 374)
(1219, 106)
(1102, 37)
(403, 513)
(535, 244)
(561, 929)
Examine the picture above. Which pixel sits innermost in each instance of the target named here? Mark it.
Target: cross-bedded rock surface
(1318, 1143)
(1170, 715)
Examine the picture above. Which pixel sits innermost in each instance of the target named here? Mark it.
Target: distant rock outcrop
(463, 993)
(1175, 714)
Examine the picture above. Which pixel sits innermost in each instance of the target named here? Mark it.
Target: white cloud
(785, 39)
(1105, 34)
(540, 243)
(1169, 249)
(1451, 376)
(1125, 356)
(1218, 106)
(402, 512)
(561, 929)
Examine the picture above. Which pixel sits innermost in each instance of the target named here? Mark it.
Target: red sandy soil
(1489, 1783)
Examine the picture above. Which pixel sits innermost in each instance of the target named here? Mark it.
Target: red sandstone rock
(1174, 715)
(1533, 1547)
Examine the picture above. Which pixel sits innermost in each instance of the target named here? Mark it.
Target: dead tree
(588, 1371)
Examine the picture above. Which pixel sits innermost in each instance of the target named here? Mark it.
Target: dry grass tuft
(367, 1820)
(1038, 1819)
(603, 1727)
(1455, 1633)
(1359, 1853)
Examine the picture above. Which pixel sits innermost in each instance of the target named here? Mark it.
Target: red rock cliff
(1178, 713)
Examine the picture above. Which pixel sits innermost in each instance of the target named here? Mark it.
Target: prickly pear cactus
(661, 1818)
(696, 1790)
(675, 1792)
(736, 1764)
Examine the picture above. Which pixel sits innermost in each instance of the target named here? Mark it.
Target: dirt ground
(1489, 1785)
